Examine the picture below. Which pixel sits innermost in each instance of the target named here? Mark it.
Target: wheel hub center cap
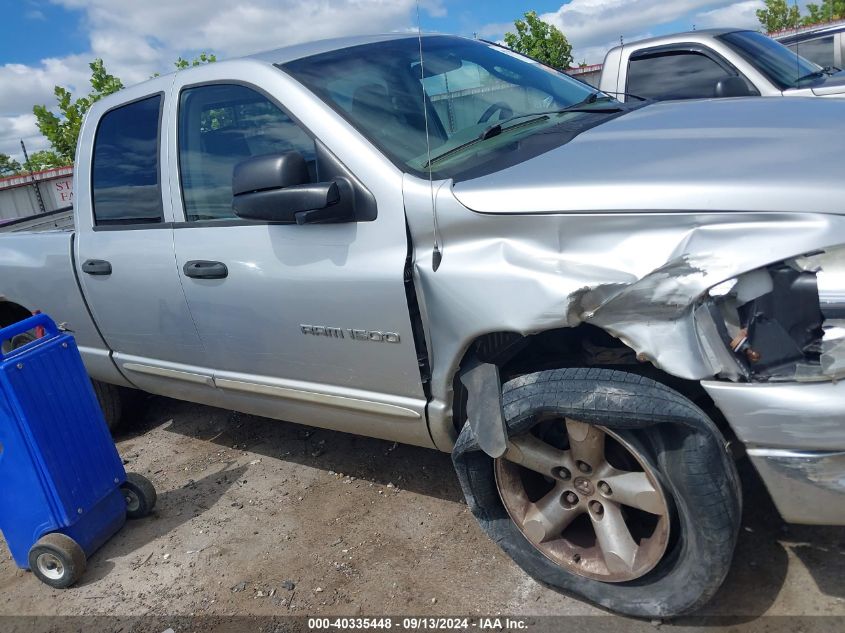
(584, 486)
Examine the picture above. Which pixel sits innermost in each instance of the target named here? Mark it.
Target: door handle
(202, 269)
(96, 267)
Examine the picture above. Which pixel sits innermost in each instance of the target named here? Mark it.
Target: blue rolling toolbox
(63, 489)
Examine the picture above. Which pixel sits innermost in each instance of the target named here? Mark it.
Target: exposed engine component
(782, 327)
(782, 322)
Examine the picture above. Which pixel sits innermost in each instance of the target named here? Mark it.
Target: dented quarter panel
(636, 274)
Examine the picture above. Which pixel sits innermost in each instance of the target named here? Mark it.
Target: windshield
(469, 87)
(783, 68)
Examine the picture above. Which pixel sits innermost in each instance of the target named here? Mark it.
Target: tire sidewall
(144, 491)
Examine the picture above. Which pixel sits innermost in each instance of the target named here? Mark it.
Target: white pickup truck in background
(715, 63)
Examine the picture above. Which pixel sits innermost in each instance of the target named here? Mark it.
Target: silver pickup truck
(714, 63)
(595, 306)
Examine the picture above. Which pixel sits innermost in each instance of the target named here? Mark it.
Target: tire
(57, 560)
(111, 401)
(140, 495)
(673, 442)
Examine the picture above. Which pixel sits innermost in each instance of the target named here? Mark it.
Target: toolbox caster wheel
(57, 560)
(140, 495)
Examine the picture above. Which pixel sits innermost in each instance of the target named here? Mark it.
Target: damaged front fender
(644, 277)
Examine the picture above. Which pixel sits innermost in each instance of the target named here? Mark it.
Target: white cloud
(593, 26)
(234, 28)
(739, 14)
(591, 22)
(23, 86)
(137, 39)
(15, 128)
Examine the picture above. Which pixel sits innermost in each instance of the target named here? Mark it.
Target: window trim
(184, 222)
(687, 47)
(131, 225)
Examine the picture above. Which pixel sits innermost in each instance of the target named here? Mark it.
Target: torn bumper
(795, 437)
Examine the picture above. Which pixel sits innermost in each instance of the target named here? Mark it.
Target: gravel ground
(258, 517)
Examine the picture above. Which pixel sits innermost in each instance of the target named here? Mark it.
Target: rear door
(306, 323)
(124, 249)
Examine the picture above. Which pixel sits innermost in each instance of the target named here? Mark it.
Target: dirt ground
(258, 517)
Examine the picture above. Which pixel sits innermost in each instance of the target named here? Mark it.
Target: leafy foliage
(826, 11)
(62, 130)
(44, 159)
(540, 40)
(779, 15)
(8, 165)
(204, 58)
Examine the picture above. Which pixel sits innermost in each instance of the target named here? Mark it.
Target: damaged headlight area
(782, 322)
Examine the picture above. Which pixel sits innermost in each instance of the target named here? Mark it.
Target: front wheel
(614, 488)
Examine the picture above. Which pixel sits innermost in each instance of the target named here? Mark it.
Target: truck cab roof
(685, 36)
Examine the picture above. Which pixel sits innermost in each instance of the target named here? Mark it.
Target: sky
(48, 42)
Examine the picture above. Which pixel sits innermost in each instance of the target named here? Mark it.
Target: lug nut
(605, 488)
(596, 508)
(562, 473)
(570, 498)
(584, 467)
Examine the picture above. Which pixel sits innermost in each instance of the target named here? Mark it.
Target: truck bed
(61, 220)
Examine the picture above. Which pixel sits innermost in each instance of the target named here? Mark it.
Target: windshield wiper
(827, 70)
(497, 128)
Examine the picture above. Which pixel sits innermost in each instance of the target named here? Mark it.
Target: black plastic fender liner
(484, 407)
(691, 457)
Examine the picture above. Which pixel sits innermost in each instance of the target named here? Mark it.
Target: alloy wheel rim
(595, 508)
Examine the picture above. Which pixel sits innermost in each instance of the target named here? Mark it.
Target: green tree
(44, 159)
(8, 165)
(540, 40)
(779, 15)
(204, 58)
(62, 130)
(827, 11)
(182, 64)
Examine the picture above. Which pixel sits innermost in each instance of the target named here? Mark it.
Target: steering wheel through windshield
(504, 110)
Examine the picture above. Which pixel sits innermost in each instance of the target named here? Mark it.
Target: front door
(306, 323)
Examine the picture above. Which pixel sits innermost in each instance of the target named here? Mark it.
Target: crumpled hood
(758, 154)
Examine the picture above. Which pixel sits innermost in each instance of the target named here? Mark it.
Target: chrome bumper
(795, 437)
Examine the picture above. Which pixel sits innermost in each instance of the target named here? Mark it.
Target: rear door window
(125, 174)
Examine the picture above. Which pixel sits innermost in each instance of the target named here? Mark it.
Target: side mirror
(732, 87)
(276, 188)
